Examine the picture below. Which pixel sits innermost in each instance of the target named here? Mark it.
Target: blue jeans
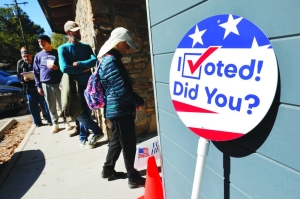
(34, 99)
(86, 121)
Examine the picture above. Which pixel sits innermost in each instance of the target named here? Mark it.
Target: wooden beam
(57, 3)
(61, 11)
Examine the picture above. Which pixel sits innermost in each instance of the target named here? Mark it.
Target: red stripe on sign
(216, 135)
(182, 107)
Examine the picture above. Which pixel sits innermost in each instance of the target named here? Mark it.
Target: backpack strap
(98, 63)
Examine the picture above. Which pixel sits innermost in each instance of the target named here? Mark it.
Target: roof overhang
(57, 12)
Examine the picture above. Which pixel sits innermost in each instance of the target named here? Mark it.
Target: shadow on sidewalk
(16, 179)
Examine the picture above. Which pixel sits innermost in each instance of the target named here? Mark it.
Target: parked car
(9, 79)
(11, 98)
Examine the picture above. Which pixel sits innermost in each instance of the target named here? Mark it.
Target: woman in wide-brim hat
(120, 106)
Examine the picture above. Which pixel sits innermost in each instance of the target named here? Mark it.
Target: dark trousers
(34, 99)
(123, 138)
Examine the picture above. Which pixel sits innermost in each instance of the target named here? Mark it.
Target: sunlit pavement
(54, 166)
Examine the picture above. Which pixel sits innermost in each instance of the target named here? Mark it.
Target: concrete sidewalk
(50, 166)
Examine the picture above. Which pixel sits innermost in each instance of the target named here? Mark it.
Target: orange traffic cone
(153, 186)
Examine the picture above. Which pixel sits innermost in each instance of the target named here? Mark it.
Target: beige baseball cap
(116, 36)
(71, 26)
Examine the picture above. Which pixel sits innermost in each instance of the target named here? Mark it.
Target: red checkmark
(206, 54)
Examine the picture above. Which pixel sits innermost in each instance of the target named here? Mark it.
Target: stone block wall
(98, 18)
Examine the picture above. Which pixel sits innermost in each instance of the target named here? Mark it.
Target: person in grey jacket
(120, 106)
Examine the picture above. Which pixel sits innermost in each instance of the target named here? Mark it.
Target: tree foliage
(11, 39)
(58, 39)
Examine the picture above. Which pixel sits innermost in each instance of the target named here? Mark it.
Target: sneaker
(136, 182)
(91, 144)
(74, 132)
(68, 126)
(82, 143)
(49, 124)
(107, 173)
(55, 128)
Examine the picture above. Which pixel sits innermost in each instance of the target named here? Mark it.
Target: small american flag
(143, 152)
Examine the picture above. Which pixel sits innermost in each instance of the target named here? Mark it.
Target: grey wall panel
(282, 144)
(160, 10)
(214, 160)
(167, 35)
(288, 56)
(212, 185)
(179, 185)
(255, 175)
(176, 131)
(235, 193)
(162, 64)
(259, 176)
(164, 98)
(170, 192)
(179, 158)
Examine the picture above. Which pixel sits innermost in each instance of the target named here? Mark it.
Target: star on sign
(256, 46)
(197, 36)
(230, 25)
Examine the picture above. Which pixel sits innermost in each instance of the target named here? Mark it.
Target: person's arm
(37, 75)
(64, 66)
(120, 88)
(36, 72)
(89, 63)
(19, 70)
(55, 65)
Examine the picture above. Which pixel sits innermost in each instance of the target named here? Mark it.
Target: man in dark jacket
(120, 107)
(25, 65)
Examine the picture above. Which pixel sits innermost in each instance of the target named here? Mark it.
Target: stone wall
(98, 18)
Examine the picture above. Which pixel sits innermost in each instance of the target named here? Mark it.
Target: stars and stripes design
(214, 35)
(227, 31)
(143, 152)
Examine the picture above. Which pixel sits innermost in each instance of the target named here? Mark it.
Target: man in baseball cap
(71, 26)
(76, 59)
(72, 29)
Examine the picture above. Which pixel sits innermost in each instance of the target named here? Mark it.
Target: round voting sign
(223, 77)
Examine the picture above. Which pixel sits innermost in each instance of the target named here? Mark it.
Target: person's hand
(26, 79)
(52, 66)
(75, 64)
(138, 108)
(40, 91)
(86, 70)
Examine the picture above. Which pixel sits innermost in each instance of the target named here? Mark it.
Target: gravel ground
(12, 138)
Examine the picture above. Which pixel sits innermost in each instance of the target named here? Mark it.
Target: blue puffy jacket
(120, 99)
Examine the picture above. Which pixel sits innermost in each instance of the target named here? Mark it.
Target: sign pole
(202, 152)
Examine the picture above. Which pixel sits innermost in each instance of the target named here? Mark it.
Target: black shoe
(136, 182)
(106, 173)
